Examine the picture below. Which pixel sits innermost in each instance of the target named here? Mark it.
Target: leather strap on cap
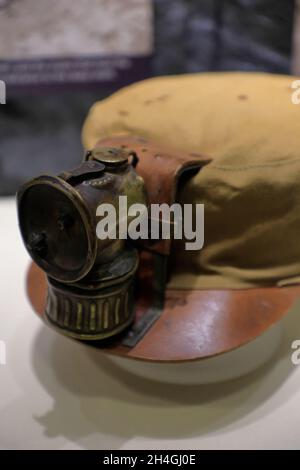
(161, 168)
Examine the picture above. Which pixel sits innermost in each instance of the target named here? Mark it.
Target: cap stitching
(250, 167)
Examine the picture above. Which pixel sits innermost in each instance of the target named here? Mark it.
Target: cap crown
(249, 126)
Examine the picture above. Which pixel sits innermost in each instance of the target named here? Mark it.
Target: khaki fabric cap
(248, 125)
(246, 276)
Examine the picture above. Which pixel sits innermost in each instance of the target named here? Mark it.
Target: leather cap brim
(194, 324)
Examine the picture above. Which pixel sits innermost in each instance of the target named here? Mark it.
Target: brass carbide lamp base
(88, 315)
(92, 311)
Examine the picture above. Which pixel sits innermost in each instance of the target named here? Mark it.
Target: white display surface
(58, 394)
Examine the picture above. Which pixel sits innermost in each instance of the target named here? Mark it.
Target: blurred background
(58, 57)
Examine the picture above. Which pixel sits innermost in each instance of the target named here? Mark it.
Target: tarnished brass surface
(90, 281)
(94, 309)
